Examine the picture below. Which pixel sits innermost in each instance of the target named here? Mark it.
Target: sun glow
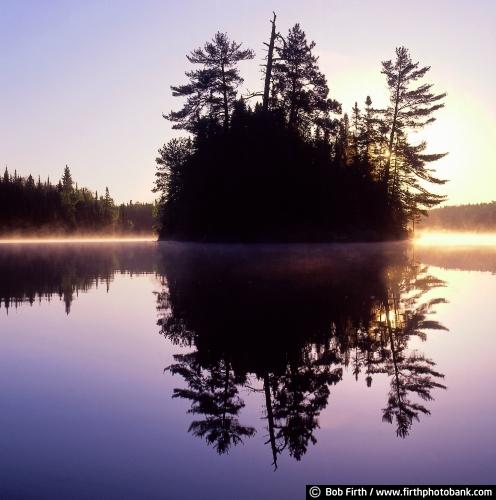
(455, 239)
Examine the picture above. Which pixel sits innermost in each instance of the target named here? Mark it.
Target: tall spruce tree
(67, 182)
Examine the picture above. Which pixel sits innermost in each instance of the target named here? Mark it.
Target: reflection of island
(464, 258)
(293, 318)
(281, 320)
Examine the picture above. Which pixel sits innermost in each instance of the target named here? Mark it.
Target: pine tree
(411, 108)
(300, 89)
(211, 90)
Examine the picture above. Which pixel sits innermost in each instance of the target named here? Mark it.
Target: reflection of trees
(400, 317)
(213, 394)
(40, 272)
(294, 399)
(293, 319)
(465, 258)
(411, 374)
(299, 395)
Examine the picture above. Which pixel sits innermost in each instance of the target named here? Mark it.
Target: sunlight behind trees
(284, 164)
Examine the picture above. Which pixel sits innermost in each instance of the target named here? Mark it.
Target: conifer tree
(211, 90)
(300, 88)
(356, 119)
(411, 108)
(67, 183)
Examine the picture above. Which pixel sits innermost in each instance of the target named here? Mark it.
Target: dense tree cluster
(284, 164)
(476, 217)
(27, 205)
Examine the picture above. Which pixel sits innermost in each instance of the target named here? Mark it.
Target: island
(284, 164)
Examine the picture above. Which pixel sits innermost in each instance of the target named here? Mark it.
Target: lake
(175, 371)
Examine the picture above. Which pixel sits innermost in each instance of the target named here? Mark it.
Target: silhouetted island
(283, 164)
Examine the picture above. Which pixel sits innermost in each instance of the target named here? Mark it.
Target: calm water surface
(164, 371)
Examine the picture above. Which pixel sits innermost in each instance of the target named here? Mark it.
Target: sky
(86, 83)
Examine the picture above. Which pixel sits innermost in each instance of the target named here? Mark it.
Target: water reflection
(41, 272)
(282, 321)
(286, 322)
(270, 344)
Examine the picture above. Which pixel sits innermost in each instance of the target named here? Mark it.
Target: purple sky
(85, 83)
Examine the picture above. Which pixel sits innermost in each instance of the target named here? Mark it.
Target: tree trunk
(224, 95)
(268, 67)
(270, 419)
(292, 109)
(393, 129)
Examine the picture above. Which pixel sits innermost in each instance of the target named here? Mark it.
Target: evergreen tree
(171, 181)
(287, 169)
(411, 108)
(300, 89)
(211, 90)
(28, 206)
(356, 119)
(67, 182)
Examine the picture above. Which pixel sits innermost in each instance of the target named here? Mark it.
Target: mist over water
(456, 239)
(74, 238)
(171, 370)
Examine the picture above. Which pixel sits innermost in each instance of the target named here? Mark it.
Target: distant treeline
(28, 207)
(478, 217)
(283, 163)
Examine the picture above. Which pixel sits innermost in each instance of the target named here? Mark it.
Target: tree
(170, 179)
(300, 89)
(356, 120)
(287, 169)
(411, 108)
(269, 64)
(108, 208)
(211, 90)
(67, 182)
(27, 205)
(68, 199)
(342, 148)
